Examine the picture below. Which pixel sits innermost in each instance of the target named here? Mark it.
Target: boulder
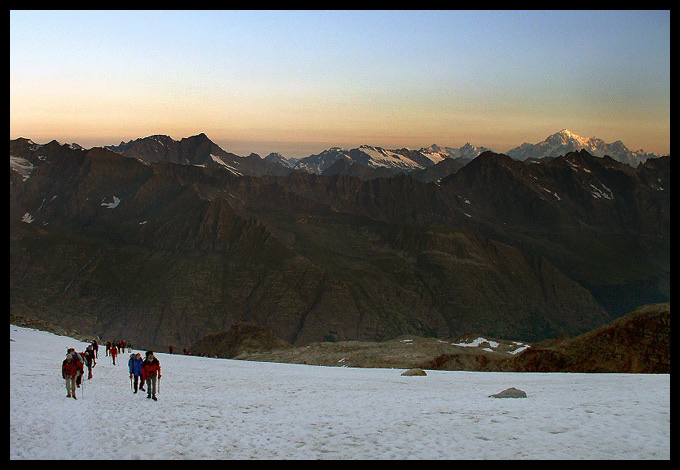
(511, 392)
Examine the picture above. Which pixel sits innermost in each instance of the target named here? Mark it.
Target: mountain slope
(166, 253)
(603, 223)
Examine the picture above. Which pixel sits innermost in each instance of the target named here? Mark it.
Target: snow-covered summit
(566, 141)
(380, 157)
(466, 152)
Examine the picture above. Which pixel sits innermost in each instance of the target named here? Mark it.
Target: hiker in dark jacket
(135, 367)
(88, 356)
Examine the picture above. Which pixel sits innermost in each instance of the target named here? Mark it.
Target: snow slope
(226, 409)
(380, 157)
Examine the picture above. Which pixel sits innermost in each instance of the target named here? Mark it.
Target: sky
(298, 82)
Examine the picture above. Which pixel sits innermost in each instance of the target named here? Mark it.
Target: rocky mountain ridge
(167, 252)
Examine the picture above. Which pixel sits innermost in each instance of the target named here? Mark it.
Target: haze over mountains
(164, 242)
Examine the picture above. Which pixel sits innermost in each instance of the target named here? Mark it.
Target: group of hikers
(113, 348)
(148, 370)
(143, 371)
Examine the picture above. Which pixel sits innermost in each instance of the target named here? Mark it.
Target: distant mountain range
(163, 242)
(408, 160)
(366, 161)
(397, 160)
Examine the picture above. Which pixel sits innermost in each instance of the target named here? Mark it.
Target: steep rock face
(498, 188)
(436, 173)
(484, 285)
(242, 338)
(599, 221)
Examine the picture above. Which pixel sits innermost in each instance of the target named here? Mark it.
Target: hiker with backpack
(81, 366)
(70, 368)
(135, 366)
(151, 373)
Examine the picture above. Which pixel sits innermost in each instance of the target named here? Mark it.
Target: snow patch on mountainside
(111, 205)
(21, 166)
(379, 157)
(218, 160)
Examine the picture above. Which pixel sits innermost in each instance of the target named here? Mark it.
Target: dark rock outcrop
(242, 338)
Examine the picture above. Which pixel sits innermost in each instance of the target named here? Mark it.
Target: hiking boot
(154, 398)
(148, 395)
(68, 396)
(74, 397)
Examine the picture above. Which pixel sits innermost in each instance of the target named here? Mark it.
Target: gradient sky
(298, 82)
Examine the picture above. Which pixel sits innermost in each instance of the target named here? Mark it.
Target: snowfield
(227, 409)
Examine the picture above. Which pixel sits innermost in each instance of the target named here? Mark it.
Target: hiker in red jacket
(69, 372)
(151, 372)
(114, 353)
